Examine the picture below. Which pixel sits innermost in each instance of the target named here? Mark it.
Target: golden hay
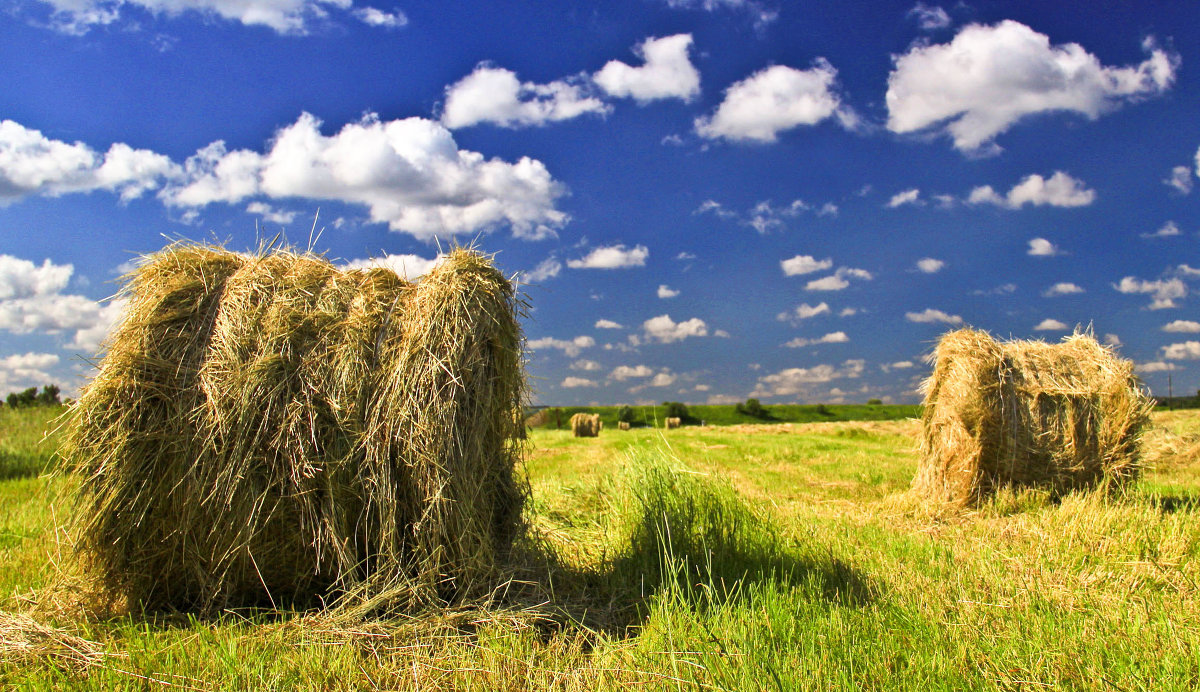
(674, 423)
(270, 429)
(586, 425)
(623, 425)
(1027, 413)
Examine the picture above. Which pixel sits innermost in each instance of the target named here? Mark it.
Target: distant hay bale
(674, 423)
(623, 425)
(270, 429)
(586, 425)
(1027, 413)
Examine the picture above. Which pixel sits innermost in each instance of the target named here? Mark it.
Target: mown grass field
(744, 557)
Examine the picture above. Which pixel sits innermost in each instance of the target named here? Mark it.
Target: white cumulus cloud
(571, 348)
(667, 72)
(988, 78)
(33, 164)
(1059, 190)
(1051, 325)
(1182, 327)
(930, 315)
(608, 324)
(839, 280)
(929, 265)
(410, 174)
(664, 330)
(1180, 179)
(495, 95)
(1188, 350)
(805, 311)
(1164, 291)
(372, 16)
(405, 266)
(612, 257)
(830, 338)
(1167, 230)
(576, 382)
(804, 264)
(627, 372)
(288, 17)
(1063, 288)
(665, 291)
(899, 199)
(774, 100)
(798, 381)
(1040, 247)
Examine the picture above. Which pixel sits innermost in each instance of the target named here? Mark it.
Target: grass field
(740, 557)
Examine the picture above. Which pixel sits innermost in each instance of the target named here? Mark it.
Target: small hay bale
(673, 423)
(622, 425)
(586, 425)
(270, 430)
(1026, 413)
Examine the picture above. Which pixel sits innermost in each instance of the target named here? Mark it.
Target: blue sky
(704, 200)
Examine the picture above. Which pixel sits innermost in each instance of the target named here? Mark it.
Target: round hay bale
(1027, 413)
(586, 425)
(270, 429)
(623, 425)
(673, 423)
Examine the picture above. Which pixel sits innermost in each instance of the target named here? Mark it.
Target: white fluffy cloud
(665, 292)
(627, 372)
(760, 13)
(776, 99)
(1062, 288)
(1154, 366)
(612, 257)
(838, 280)
(830, 338)
(270, 214)
(930, 315)
(798, 381)
(805, 311)
(1059, 190)
(667, 72)
(1051, 325)
(664, 330)
(545, 270)
(576, 382)
(1182, 327)
(1167, 230)
(406, 266)
(290, 17)
(570, 348)
(1040, 247)
(31, 300)
(33, 164)
(990, 77)
(19, 371)
(899, 199)
(585, 365)
(1180, 179)
(608, 324)
(1164, 291)
(372, 16)
(804, 264)
(1188, 350)
(495, 95)
(410, 174)
(929, 265)
(929, 18)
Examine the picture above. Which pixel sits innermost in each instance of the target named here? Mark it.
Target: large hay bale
(1027, 413)
(586, 425)
(673, 423)
(269, 429)
(623, 425)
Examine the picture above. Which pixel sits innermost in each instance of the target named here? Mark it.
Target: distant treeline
(1177, 402)
(32, 397)
(559, 417)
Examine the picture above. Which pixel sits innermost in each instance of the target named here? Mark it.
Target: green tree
(754, 408)
(22, 399)
(625, 414)
(49, 396)
(675, 410)
(874, 402)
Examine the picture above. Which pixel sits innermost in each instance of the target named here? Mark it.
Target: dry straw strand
(270, 429)
(1026, 413)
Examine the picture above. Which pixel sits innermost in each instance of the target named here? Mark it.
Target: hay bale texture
(673, 423)
(586, 425)
(269, 429)
(1027, 414)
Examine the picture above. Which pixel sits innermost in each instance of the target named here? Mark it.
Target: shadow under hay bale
(270, 430)
(1027, 414)
(586, 425)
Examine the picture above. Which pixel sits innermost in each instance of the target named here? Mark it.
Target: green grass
(770, 557)
(22, 451)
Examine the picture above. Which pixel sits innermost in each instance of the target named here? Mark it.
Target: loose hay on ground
(1027, 413)
(270, 429)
